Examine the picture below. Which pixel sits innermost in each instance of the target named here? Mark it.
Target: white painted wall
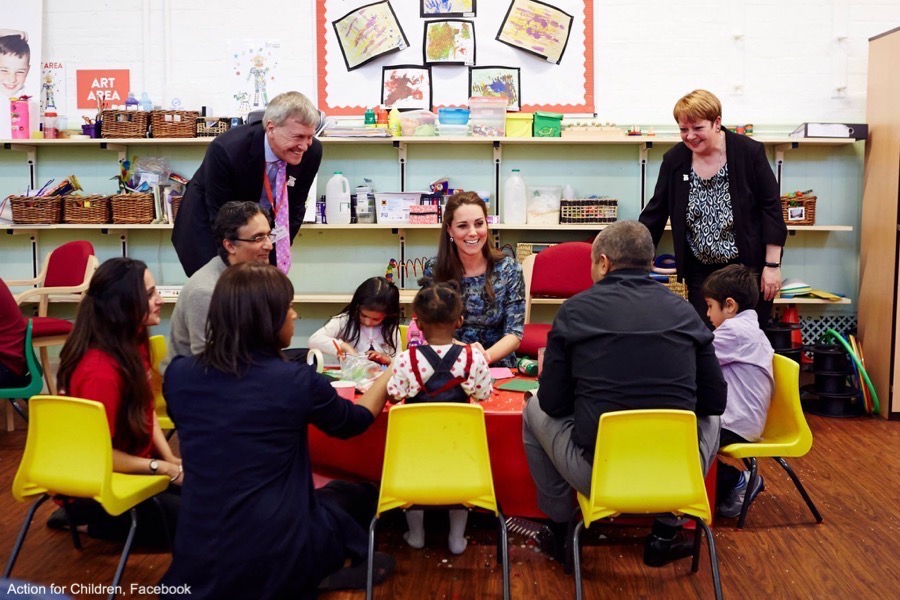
(770, 61)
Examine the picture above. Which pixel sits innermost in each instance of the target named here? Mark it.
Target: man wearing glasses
(273, 163)
(242, 234)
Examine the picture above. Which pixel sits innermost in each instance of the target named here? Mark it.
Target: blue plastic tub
(453, 116)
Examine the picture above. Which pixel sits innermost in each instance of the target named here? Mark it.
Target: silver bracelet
(180, 471)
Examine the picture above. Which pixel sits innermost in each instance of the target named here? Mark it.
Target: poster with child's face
(20, 64)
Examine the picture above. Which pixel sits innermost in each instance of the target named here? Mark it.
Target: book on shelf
(856, 131)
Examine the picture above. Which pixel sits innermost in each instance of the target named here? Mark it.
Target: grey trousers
(557, 465)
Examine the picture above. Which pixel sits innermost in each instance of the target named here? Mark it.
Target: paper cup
(345, 389)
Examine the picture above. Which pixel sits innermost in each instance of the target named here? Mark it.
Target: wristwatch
(154, 465)
(773, 265)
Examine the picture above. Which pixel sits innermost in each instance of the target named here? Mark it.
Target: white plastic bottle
(337, 200)
(514, 199)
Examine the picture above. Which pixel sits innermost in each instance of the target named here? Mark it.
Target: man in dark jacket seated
(625, 343)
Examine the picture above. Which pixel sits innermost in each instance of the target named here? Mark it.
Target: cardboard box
(393, 207)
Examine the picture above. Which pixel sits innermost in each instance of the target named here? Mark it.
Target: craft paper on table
(253, 73)
(447, 8)
(499, 82)
(518, 385)
(406, 86)
(368, 32)
(501, 373)
(449, 42)
(536, 27)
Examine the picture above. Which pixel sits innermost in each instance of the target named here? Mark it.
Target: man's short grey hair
(627, 245)
(291, 105)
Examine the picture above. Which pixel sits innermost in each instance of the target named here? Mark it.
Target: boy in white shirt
(745, 355)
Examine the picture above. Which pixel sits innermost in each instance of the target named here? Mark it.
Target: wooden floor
(852, 473)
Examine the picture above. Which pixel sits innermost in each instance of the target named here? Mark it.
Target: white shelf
(603, 140)
(357, 226)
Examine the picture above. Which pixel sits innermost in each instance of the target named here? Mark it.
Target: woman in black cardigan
(723, 200)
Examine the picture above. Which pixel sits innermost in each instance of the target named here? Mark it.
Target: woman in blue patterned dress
(722, 197)
(492, 286)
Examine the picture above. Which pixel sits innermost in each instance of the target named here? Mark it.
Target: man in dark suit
(238, 165)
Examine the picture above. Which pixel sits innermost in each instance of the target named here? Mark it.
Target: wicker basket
(589, 211)
(134, 209)
(799, 210)
(36, 209)
(524, 249)
(124, 124)
(679, 287)
(207, 127)
(176, 204)
(173, 123)
(86, 209)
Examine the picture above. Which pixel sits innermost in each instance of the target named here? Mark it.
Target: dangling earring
(451, 239)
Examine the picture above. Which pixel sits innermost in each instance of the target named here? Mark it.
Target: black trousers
(696, 272)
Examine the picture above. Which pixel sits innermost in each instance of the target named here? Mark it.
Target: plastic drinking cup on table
(345, 389)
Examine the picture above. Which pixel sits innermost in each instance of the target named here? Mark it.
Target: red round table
(361, 457)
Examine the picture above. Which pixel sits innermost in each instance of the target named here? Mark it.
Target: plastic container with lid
(417, 122)
(547, 124)
(487, 115)
(453, 116)
(51, 127)
(452, 130)
(543, 204)
(519, 124)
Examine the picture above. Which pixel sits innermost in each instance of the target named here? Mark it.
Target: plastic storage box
(519, 124)
(417, 122)
(542, 204)
(452, 130)
(487, 116)
(453, 116)
(547, 124)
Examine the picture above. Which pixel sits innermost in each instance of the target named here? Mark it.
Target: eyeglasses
(259, 239)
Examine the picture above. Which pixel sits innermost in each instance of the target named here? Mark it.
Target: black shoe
(659, 551)
(354, 577)
(550, 538)
(58, 519)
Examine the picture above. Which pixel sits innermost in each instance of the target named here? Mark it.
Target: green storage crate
(547, 124)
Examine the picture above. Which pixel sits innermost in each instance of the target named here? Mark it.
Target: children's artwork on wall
(345, 92)
(20, 66)
(449, 42)
(497, 81)
(535, 27)
(53, 86)
(406, 86)
(447, 8)
(368, 32)
(254, 73)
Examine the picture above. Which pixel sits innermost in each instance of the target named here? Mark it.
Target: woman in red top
(106, 358)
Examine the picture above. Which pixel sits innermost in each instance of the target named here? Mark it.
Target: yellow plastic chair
(786, 433)
(647, 462)
(35, 377)
(403, 332)
(68, 453)
(158, 350)
(436, 454)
